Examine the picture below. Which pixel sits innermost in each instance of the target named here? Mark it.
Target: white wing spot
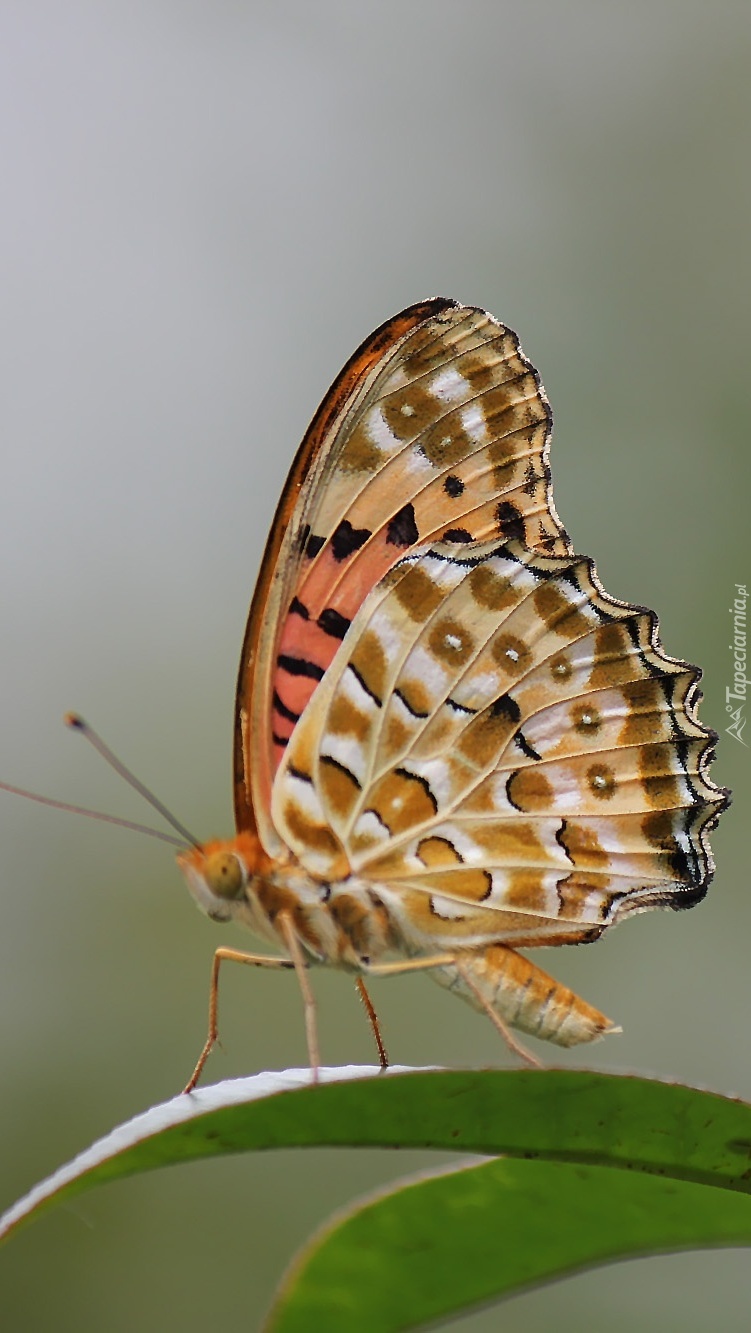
(407, 410)
(379, 432)
(448, 909)
(473, 421)
(449, 385)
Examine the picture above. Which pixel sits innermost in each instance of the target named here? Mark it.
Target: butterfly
(450, 742)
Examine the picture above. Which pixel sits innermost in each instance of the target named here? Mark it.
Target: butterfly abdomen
(524, 996)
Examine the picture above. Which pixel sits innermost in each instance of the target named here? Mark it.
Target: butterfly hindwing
(507, 749)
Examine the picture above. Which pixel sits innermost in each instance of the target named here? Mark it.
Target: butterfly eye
(224, 875)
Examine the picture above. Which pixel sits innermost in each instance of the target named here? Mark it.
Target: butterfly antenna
(92, 814)
(77, 723)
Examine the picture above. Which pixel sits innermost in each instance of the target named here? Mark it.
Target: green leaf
(608, 1166)
(447, 1242)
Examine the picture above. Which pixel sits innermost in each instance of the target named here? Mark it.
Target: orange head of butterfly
(220, 873)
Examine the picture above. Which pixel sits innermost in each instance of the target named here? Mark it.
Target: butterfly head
(219, 873)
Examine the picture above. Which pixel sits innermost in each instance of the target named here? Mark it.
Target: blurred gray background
(204, 209)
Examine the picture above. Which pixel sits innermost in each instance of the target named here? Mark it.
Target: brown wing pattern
(506, 751)
(438, 428)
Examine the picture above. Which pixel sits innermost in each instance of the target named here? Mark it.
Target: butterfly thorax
(344, 924)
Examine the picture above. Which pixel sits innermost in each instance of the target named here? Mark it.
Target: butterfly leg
(373, 1020)
(226, 956)
(410, 965)
(384, 969)
(457, 964)
(286, 929)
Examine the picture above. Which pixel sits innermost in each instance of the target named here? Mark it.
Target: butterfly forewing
(438, 428)
(254, 755)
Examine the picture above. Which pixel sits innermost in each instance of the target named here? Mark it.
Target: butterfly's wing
(437, 428)
(506, 752)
